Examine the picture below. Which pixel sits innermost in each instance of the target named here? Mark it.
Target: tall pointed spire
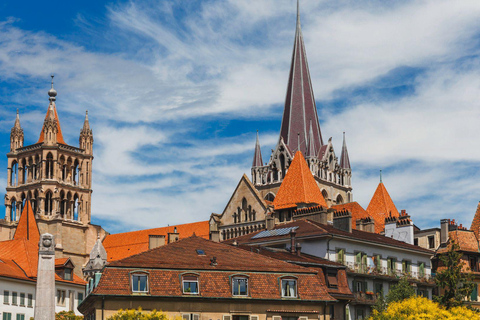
(299, 102)
(257, 156)
(86, 124)
(16, 135)
(52, 117)
(17, 121)
(344, 159)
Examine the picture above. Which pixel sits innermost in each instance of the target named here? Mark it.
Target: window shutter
(359, 258)
(379, 261)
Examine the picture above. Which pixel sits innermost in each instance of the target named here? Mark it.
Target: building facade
(57, 178)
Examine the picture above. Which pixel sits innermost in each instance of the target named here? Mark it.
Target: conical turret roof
(257, 156)
(298, 186)
(344, 159)
(27, 226)
(299, 102)
(52, 111)
(381, 206)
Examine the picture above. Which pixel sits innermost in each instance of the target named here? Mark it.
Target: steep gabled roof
(257, 156)
(475, 227)
(466, 240)
(27, 226)
(298, 186)
(122, 245)
(344, 159)
(300, 106)
(381, 206)
(59, 129)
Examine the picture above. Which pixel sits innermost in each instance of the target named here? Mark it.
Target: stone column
(45, 290)
(8, 208)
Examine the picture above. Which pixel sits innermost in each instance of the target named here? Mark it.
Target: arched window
(63, 204)
(245, 208)
(24, 171)
(75, 207)
(76, 173)
(13, 210)
(48, 203)
(14, 173)
(339, 199)
(282, 164)
(35, 202)
(270, 197)
(49, 166)
(325, 194)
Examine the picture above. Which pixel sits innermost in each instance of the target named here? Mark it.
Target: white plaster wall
(19, 286)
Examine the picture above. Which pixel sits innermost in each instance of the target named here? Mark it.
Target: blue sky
(177, 89)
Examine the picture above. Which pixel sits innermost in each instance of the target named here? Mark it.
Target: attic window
(200, 252)
(67, 274)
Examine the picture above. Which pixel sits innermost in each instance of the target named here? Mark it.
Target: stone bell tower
(57, 178)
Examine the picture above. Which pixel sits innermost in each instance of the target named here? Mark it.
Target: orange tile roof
(122, 245)
(27, 227)
(23, 252)
(466, 240)
(380, 207)
(355, 209)
(298, 186)
(60, 262)
(475, 227)
(59, 129)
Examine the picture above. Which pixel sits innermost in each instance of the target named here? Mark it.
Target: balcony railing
(383, 271)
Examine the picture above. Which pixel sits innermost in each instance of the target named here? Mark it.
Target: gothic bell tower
(57, 178)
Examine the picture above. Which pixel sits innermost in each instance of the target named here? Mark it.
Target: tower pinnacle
(344, 159)
(52, 93)
(257, 156)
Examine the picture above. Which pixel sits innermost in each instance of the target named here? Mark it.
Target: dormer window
(190, 284)
(140, 282)
(67, 274)
(240, 286)
(289, 288)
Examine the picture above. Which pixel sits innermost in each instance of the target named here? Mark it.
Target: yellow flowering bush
(420, 308)
(139, 314)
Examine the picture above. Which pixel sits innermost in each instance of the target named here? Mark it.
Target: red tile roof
(122, 245)
(166, 264)
(59, 129)
(355, 209)
(60, 262)
(308, 228)
(380, 207)
(27, 226)
(298, 186)
(475, 227)
(466, 240)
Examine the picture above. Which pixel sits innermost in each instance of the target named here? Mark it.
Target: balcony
(387, 272)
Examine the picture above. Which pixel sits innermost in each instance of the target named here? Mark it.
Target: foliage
(67, 315)
(138, 314)
(401, 291)
(422, 308)
(456, 284)
(380, 304)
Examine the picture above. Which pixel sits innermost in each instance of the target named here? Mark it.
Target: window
(60, 297)
(332, 279)
(6, 297)
(377, 262)
(332, 311)
(415, 241)
(361, 262)
(406, 266)
(22, 299)
(20, 316)
(359, 286)
(473, 263)
(30, 300)
(14, 298)
(431, 242)
(67, 274)
(190, 284)
(240, 286)
(378, 289)
(139, 283)
(341, 256)
(7, 316)
(391, 266)
(421, 269)
(190, 316)
(474, 296)
(80, 297)
(289, 288)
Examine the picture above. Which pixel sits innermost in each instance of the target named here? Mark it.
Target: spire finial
(298, 141)
(380, 176)
(52, 93)
(298, 12)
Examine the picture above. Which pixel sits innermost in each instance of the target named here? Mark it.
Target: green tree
(401, 291)
(455, 284)
(139, 314)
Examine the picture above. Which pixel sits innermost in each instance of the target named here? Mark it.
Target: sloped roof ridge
(218, 244)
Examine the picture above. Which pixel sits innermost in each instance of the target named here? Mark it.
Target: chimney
(173, 236)
(342, 220)
(155, 241)
(359, 224)
(298, 249)
(369, 225)
(215, 236)
(293, 233)
(270, 224)
(444, 226)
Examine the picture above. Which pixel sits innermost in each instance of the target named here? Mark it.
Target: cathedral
(252, 200)
(57, 179)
